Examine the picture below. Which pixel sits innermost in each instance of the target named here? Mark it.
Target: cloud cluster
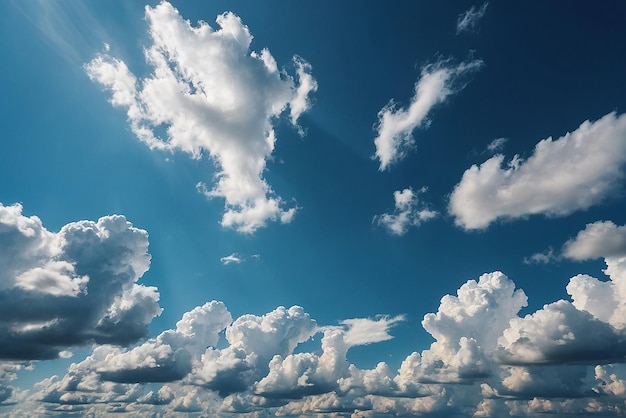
(71, 288)
(212, 95)
(409, 211)
(486, 360)
(395, 125)
(574, 172)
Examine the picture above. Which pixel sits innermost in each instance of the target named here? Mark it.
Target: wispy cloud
(468, 20)
(395, 126)
(213, 96)
(574, 172)
(230, 259)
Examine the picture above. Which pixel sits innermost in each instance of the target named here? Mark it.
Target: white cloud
(71, 288)
(497, 144)
(485, 361)
(572, 173)
(229, 259)
(598, 239)
(214, 96)
(395, 126)
(545, 257)
(362, 331)
(468, 20)
(409, 211)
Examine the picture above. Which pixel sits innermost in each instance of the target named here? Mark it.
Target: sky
(312, 209)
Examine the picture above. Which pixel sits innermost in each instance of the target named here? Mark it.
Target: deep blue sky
(541, 69)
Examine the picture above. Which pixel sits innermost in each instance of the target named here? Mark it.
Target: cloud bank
(486, 359)
(575, 172)
(212, 96)
(395, 125)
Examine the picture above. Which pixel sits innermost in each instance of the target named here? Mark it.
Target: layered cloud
(211, 95)
(71, 288)
(409, 212)
(395, 126)
(574, 172)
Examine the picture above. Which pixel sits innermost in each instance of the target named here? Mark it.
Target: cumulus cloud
(574, 172)
(395, 125)
(71, 288)
(468, 20)
(544, 257)
(598, 239)
(212, 95)
(486, 360)
(409, 211)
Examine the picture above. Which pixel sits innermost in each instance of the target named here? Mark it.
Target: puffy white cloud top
(71, 288)
(213, 96)
(572, 173)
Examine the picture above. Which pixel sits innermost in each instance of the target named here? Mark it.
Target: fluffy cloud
(409, 212)
(485, 361)
(71, 288)
(468, 20)
(212, 96)
(395, 126)
(598, 239)
(571, 173)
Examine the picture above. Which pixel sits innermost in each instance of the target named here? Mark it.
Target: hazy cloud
(572, 173)
(212, 96)
(468, 20)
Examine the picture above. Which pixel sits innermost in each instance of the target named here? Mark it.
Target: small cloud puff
(409, 211)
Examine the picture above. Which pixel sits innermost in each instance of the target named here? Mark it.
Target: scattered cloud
(497, 145)
(548, 256)
(409, 211)
(71, 288)
(598, 239)
(395, 125)
(212, 96)
(574, 172)
(468, 20)
(230, 259)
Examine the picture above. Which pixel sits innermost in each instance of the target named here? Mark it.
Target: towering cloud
(572, 173)
(71, 288)
(212, 95)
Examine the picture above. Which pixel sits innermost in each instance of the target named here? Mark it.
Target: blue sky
(312, 209)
